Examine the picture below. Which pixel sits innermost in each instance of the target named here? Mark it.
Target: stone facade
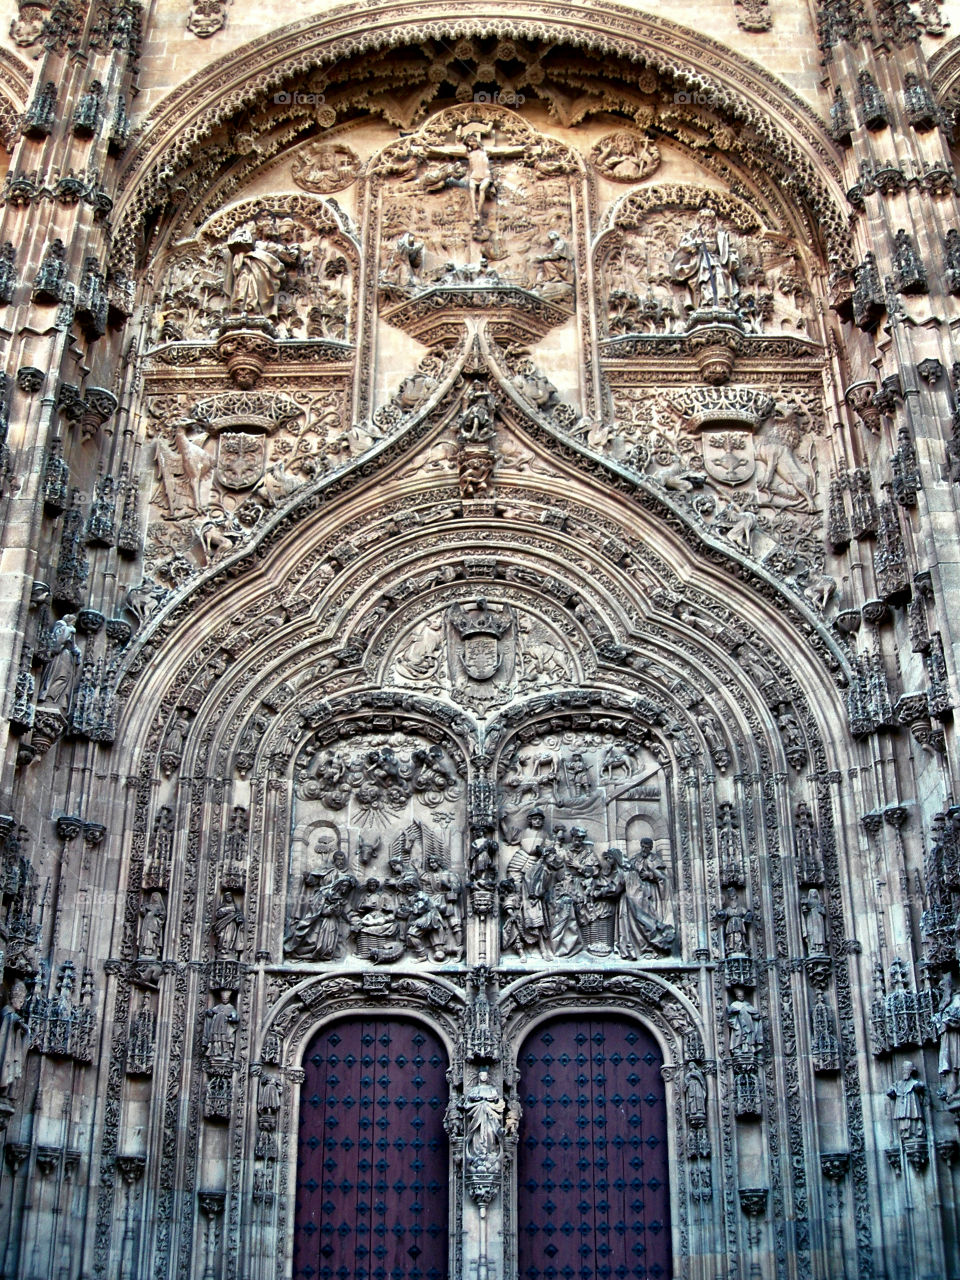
(480, 542)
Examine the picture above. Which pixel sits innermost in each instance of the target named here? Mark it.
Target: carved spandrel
(586, 863)
(376, 856)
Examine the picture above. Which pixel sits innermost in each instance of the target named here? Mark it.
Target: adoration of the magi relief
(479, 507)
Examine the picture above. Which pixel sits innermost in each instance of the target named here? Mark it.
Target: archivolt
(781, 132)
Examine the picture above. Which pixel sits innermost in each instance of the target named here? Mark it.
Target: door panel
(372, 1180)
(592, 1177)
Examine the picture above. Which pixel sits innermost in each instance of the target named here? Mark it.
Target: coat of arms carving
(241, 458)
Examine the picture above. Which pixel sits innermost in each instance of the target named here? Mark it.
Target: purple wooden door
(372, 1180)
(593, 1188)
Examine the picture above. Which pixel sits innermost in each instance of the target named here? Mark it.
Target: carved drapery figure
(484, 1115)
(60, 666)
(220, 1029)
(257, 270)
(153, 917)
(695, 1090)
(736, 920)
(744, 1023)
(228, 926)
(907, 1095)
(814, 922)
(706, 262)
(640, 916)
(946, 1022)
(15, 1039)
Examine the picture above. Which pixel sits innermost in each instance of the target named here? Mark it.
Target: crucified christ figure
(476, 156)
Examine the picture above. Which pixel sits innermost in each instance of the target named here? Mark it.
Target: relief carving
(566, 888)
(382, 878)
(677, 259)
(476, 209)
(286, 263)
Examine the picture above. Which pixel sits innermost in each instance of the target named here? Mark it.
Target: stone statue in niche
(220, 1029)
(484, 1124)
(736, 919)
(61, 659)
(706, 263)
(153, 919)
(907, 1096)
(695, 1091)
(744, 1023)
(15, 1039)
(228, 926)
(381, 881)
(814, 922)
(566, 887)
(946, 1022)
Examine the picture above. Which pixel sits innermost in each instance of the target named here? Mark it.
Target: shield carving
(481, 657)
(728, 456)
(240, 459)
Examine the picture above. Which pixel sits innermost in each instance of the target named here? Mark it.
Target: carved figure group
(560, 896)
(414, 909)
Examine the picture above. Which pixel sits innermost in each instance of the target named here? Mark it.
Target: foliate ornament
(824, 1045)
(323, 167)
(841, 124)
(869, 299)
(900, 1017)
(207, 17)
(951, 247)
(919, 106)
(625, 156)
(909, 273)
(874, 112)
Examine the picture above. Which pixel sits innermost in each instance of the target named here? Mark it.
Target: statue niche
(586, 864)
(676, 258)
(287, 261)
(376, 853)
